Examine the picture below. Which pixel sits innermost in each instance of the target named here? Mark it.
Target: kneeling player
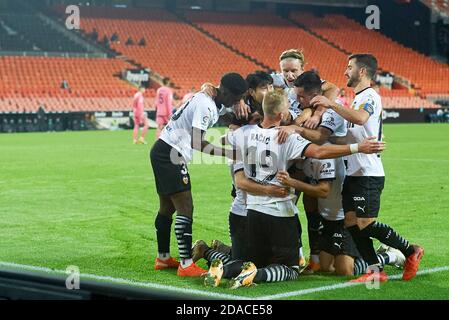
(338, 251)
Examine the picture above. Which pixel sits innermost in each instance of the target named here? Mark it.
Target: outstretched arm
(359, 117)
(200, 144)
(369, 145)
(318, 136)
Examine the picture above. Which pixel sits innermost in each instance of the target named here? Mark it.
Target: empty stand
(25, 82)
(264, 36)
(173, 48)
(27, 32)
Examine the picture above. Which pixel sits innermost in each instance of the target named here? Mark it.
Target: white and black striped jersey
(332, 170)
(199, 112)
(262, 158)
(361, 164)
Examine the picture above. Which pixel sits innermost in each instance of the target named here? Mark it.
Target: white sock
(392, 256)
(186, 263)
(301, 254)
(163, 255)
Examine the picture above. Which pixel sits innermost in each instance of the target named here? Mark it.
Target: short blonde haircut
(274, 103)
(293, 54)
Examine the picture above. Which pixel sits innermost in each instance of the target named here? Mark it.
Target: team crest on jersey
(185, 180)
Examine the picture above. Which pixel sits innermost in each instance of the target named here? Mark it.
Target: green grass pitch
(88, 199)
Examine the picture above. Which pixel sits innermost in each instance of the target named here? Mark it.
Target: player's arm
(244, 183)
(200, 144)
(369, 145)
(317, 136)
(320, 190)
(294, 125)
(359, 117)
(303, 117)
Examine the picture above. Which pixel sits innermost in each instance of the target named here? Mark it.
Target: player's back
(263, 157)
(164, 98)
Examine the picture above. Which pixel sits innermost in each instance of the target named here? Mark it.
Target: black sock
(385, 234)
(232, 269)
(163, 230)
(212, 254)
(183, 230)
(299, 231)
(365, 246)
(276, 273)
(314, 227)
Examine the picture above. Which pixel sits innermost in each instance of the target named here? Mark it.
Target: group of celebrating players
(287, 135)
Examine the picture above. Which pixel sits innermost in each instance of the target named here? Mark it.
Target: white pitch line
(211, 294)
(341, 285)
(129, 282)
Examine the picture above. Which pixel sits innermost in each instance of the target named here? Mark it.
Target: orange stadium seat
(429, 76)
(29, 81)
(174, 49)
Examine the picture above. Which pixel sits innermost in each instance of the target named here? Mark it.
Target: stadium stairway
(221, 42)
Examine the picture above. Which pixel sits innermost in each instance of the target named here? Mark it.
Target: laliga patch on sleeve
(369, 107)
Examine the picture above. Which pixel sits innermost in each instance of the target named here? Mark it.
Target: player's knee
(185, 209)
(363, 223)
(344, 270)
(327, 268)
(167, 212)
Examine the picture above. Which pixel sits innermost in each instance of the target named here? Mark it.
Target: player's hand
(241, 110)
(284, 178)
(305, 115)
(209, 89)
(313, 122)
(275, 191)
(371, 145)
(284, 132)
(320, 101)
(255, 118)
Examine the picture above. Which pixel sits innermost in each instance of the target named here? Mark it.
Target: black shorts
(336, 240)
(170, 177)
(238, 233)
(362, 195)
(272, 240)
